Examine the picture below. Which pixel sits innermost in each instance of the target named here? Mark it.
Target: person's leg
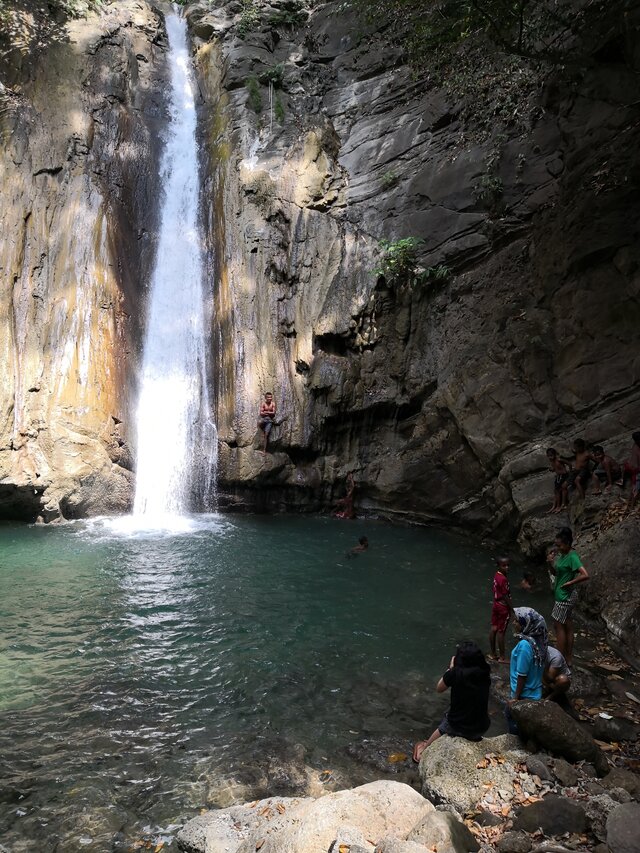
(501, 657)
(492, 640)
(568, 629)
(561, 638)
(420, 747)
(595, 484)
(565, 495)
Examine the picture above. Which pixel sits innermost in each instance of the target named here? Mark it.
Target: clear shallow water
(139, 672)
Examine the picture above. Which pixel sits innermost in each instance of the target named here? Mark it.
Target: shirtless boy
(632, 467)
(266, 417)
(606, 468)
(581, 471)
(560, 482)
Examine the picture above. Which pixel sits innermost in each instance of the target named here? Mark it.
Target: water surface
(140, 672)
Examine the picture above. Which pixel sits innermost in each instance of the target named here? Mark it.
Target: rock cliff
(81, 117)
(320, 140)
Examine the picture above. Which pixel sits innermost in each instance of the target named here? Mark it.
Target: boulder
(285, 825)
(395, 845)
(565, 773)
(547, 725)
(618, 777)
(622, 829)
(514, 842)
(444, 832)
(455, 771)
(598, 808)
(554, 815)
(615, 729)
(538, 765)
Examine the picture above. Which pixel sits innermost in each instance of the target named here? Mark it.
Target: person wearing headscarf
(529, 655)
(469, 677)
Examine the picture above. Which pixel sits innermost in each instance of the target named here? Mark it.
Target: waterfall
(176, 439)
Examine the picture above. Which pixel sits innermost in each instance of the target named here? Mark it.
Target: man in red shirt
(501, 611)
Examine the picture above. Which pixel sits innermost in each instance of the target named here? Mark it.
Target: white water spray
(177, 442)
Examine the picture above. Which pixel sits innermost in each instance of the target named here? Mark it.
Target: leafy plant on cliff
(274, 75)
(293, 15)
(255, 95)
(278, 110)
(249, 18)
(399, 265)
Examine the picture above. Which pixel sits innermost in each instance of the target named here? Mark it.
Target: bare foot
(607, 488)
(502, 660)
(596, 493)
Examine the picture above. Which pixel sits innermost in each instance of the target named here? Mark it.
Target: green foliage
(293, 15)
(547, 30)
(249, 18)
(390, 179)
(255, 95)
(399, 264)
(488, 190)
(278, 109)
(274, 75)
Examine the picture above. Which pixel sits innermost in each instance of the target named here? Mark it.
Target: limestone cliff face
(81, 133)
(442, 399)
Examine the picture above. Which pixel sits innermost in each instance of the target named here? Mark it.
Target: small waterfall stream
(176, 439)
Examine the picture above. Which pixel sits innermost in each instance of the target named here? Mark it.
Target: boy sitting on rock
(606, 469)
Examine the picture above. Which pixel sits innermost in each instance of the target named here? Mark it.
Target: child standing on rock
(501, 610)
(569, 571)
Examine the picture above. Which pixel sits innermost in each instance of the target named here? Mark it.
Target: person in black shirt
(469, 677)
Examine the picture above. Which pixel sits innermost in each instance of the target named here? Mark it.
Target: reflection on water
(140, 669)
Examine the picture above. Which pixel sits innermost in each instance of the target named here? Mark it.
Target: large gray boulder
(554, 815)
(442, 831)
(546, 724)
(623, 835)
(305, 825)
(456, 772)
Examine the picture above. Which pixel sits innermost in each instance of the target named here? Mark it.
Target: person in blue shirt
(528, 658)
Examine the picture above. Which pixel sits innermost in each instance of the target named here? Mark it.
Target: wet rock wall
(81, 123)
(318, 141)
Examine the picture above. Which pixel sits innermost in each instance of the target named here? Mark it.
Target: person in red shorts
(501, 611)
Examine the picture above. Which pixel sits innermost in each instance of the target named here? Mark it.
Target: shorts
(500, 616)
(445, 728)
(559, 481)
(583, 475)
(265, 425)
(562, 609)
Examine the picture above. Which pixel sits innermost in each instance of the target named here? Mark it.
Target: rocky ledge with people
(562, 785)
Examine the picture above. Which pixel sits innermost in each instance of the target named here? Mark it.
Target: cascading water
(177, 441)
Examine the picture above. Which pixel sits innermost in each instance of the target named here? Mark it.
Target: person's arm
(551, 560)
(522, 680)
(447, 679)
(550, 674)
(581, 577)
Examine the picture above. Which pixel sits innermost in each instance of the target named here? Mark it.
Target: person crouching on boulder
(556, 681)
(469, 677)
(528, 658)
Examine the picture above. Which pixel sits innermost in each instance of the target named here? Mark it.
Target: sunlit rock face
(79, 188)
(442, 399)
